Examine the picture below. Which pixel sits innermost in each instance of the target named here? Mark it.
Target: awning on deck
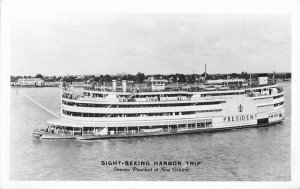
(65, 123)
(135, 123)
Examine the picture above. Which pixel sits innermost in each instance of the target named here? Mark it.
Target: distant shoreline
(31, 86)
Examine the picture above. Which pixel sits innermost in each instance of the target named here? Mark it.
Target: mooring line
(46, 109)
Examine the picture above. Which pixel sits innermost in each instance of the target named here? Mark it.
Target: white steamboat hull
(87, 119)
(153, 134)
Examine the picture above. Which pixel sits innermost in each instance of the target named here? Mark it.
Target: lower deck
(48, 134)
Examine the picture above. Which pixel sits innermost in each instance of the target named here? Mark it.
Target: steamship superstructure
(100, 113)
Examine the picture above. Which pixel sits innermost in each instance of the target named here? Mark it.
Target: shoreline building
(28, 82)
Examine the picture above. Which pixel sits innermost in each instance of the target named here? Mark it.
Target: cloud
(92, 43)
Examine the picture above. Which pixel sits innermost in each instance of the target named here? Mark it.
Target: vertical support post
(168, 128)
(61, 109)
(73, 130)
(250, 81)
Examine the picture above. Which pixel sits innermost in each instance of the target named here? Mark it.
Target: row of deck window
(222, 94)
(274, 115)
(278, 96)
(278, 104)
(79, 114)
(274, 97)
(139, 105)
(167, 95)
(95, 131)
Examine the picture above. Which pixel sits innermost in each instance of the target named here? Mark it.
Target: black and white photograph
(93, 95)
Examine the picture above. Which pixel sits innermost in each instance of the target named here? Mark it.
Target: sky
(108, 43)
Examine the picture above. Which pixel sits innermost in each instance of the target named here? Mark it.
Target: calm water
(249, 154)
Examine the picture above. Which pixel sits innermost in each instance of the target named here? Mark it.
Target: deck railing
(178, 89)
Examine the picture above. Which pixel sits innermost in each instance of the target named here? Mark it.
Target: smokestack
(114, 85)
(124, 86)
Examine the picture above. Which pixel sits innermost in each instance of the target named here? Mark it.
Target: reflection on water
(245, 154)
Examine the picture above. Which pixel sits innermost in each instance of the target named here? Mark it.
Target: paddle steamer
(102, 113)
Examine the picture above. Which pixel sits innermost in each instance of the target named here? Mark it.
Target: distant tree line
(140, 77)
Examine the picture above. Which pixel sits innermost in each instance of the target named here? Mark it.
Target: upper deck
(178, 93)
